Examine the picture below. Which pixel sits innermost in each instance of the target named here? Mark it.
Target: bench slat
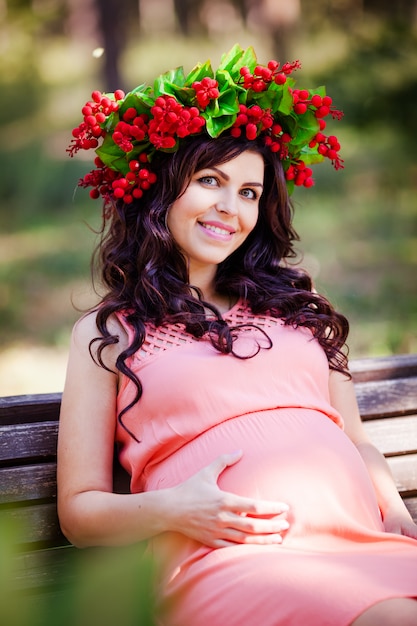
(411, 504)
(394, 437)
(381, 368)
(404, 470)
(38, 524)
(25, 441)
(30, 408)
(43, 568)
(387, 397)
(29, 482)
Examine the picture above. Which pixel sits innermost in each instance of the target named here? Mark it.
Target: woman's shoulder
(86, 333)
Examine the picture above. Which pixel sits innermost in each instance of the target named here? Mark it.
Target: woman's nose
(227, 204)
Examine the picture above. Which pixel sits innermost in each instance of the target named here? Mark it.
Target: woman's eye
(208, 180)
(249, 193)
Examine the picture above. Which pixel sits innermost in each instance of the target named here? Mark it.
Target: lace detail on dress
(173, 335)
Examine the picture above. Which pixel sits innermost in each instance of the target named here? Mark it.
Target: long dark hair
(145, 275)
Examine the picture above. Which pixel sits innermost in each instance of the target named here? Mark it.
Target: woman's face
(217, 211)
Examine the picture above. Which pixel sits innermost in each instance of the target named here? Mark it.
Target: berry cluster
(109, 183)
(300, 174)
(253, 119)
(322, 106)
(262, 76)
(278, 141)
(132, 127)
(205, 91)
(171, 120)
(95, 113)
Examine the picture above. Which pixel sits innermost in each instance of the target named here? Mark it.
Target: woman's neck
(204, 281)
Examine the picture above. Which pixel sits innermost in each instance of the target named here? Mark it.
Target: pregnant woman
(219, 371)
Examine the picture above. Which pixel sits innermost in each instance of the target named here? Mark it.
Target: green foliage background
(358, 227)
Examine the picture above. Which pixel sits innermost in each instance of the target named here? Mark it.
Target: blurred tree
(115, 18)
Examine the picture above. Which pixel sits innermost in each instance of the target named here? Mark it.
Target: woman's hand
(401, 523)
(219, 518)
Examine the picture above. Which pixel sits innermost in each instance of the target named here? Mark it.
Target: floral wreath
(241, 97)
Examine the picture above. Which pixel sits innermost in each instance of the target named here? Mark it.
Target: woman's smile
(222, 230)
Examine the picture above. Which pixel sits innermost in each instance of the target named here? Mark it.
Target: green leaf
(139, 100)
(286, 104)
(112, 155)
(163, 83)
(248, 59)
(184, 95)
(290, 186)
(321, 91)
(200, 71)
(307, 126)
(227, 103)
(229, 59)
(216, 125)
(237, 58)
(310, 156)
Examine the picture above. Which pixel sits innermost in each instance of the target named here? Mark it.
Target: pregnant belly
(297, 456)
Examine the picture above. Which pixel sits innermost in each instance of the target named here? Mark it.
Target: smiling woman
(215, 214)
(220, 372)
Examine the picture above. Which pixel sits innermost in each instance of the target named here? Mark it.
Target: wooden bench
(387, 395)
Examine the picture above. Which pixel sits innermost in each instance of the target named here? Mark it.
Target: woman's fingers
(220, 518)
(222, 462)
(241, 504)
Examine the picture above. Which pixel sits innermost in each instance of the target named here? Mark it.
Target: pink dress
(335, 560)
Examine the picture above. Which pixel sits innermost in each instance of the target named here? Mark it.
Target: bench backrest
(387, 394)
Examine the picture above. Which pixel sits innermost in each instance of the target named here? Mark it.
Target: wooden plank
(43, 568)
(37, 524)
(404, 470)
(381, 368)
(25, 441)
(411, 504)
(30, 408)
(387, 397)
(395, 435)
(28, 482)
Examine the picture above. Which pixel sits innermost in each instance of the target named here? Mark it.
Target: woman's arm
(395, 515)
(90, 514)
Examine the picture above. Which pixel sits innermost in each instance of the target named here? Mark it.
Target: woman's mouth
(218, 230)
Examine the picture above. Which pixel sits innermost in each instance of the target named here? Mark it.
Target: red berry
(134, 165)
(300, 108)
(143, 174)
(316, 101)
(96, 96)
(280, 79)
(119, 94)
(251, 131)
(322, 111)
(118, 193)
(94, 194)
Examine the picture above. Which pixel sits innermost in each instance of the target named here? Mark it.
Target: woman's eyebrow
(227, 177)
